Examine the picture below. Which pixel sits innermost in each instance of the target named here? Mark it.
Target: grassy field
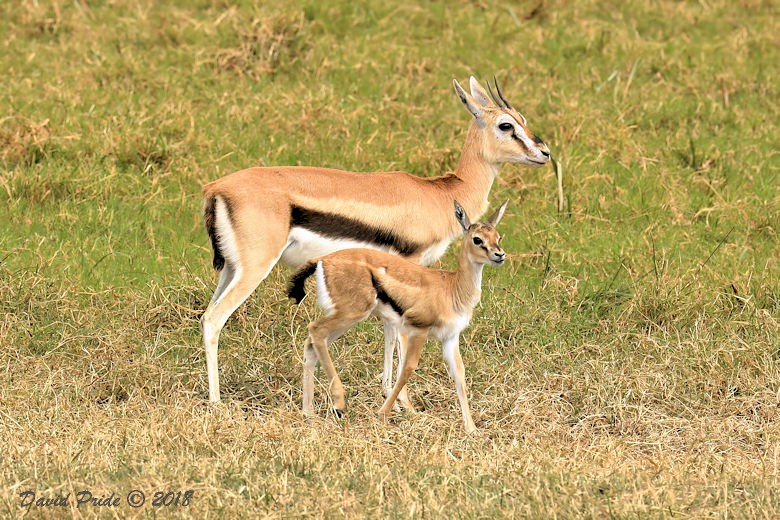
(626, 361)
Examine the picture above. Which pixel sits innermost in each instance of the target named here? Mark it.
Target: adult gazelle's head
(505, 133)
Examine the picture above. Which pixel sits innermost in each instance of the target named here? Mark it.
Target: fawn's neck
(467, 282)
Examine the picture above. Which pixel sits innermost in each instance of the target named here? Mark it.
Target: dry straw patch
(23, 142)
(264, 44)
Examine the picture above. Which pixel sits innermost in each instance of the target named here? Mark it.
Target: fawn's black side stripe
(385, 298)
(296, 288)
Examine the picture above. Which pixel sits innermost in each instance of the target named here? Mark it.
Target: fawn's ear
(495, 218)
(460, 215)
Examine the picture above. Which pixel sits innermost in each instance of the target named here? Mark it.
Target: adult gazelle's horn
(498, 103)
(501, 94)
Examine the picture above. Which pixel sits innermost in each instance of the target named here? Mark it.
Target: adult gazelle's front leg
(393, 343)
(309, 364)
(240, 273)
(457, 371)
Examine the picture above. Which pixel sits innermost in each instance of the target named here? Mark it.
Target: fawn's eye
(477, 241)
(506, 127)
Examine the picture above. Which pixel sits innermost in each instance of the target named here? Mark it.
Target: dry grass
(672, 420)
(624, 363)
(23, 142)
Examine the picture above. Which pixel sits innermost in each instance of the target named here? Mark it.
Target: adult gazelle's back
(259, 216)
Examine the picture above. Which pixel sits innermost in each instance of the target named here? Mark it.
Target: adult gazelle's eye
(477, 241)
(506, 127)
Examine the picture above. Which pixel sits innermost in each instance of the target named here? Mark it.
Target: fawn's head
(505, 134)
(481, 241)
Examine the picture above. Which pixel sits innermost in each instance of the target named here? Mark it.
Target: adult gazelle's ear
(460, 215)
(471, 104)
(479, 93)
(495, 218)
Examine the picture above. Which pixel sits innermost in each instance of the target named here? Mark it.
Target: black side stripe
(385, 298)
(336, 226)
(295, 287)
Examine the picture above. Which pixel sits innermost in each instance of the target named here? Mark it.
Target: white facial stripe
(518, 131)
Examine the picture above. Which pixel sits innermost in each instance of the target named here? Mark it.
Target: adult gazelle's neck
(477, 173)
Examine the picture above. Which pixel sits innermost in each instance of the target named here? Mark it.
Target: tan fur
(361, 282)
(254, 208)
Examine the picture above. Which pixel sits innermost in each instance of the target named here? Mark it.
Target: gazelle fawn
(258, 217)
(353, 284)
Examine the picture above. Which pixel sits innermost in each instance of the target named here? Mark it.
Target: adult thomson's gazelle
(259, 216)
(354, 283)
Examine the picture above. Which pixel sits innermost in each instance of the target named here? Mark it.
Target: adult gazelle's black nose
(542, 146)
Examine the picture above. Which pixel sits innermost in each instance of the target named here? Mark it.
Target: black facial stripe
(336, 226)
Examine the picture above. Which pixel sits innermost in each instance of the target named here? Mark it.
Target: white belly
(453, 328)
(303, 245)
(434, 252)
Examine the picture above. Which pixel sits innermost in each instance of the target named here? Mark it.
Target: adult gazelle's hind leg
(457, 371)
(248, 260)
(225, 277)
(240, 287)
(416, 340)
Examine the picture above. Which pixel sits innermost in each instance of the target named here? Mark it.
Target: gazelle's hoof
(217, 405)
(407, 406)
(385, 393)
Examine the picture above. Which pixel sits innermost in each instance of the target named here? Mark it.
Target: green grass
(625, 363)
